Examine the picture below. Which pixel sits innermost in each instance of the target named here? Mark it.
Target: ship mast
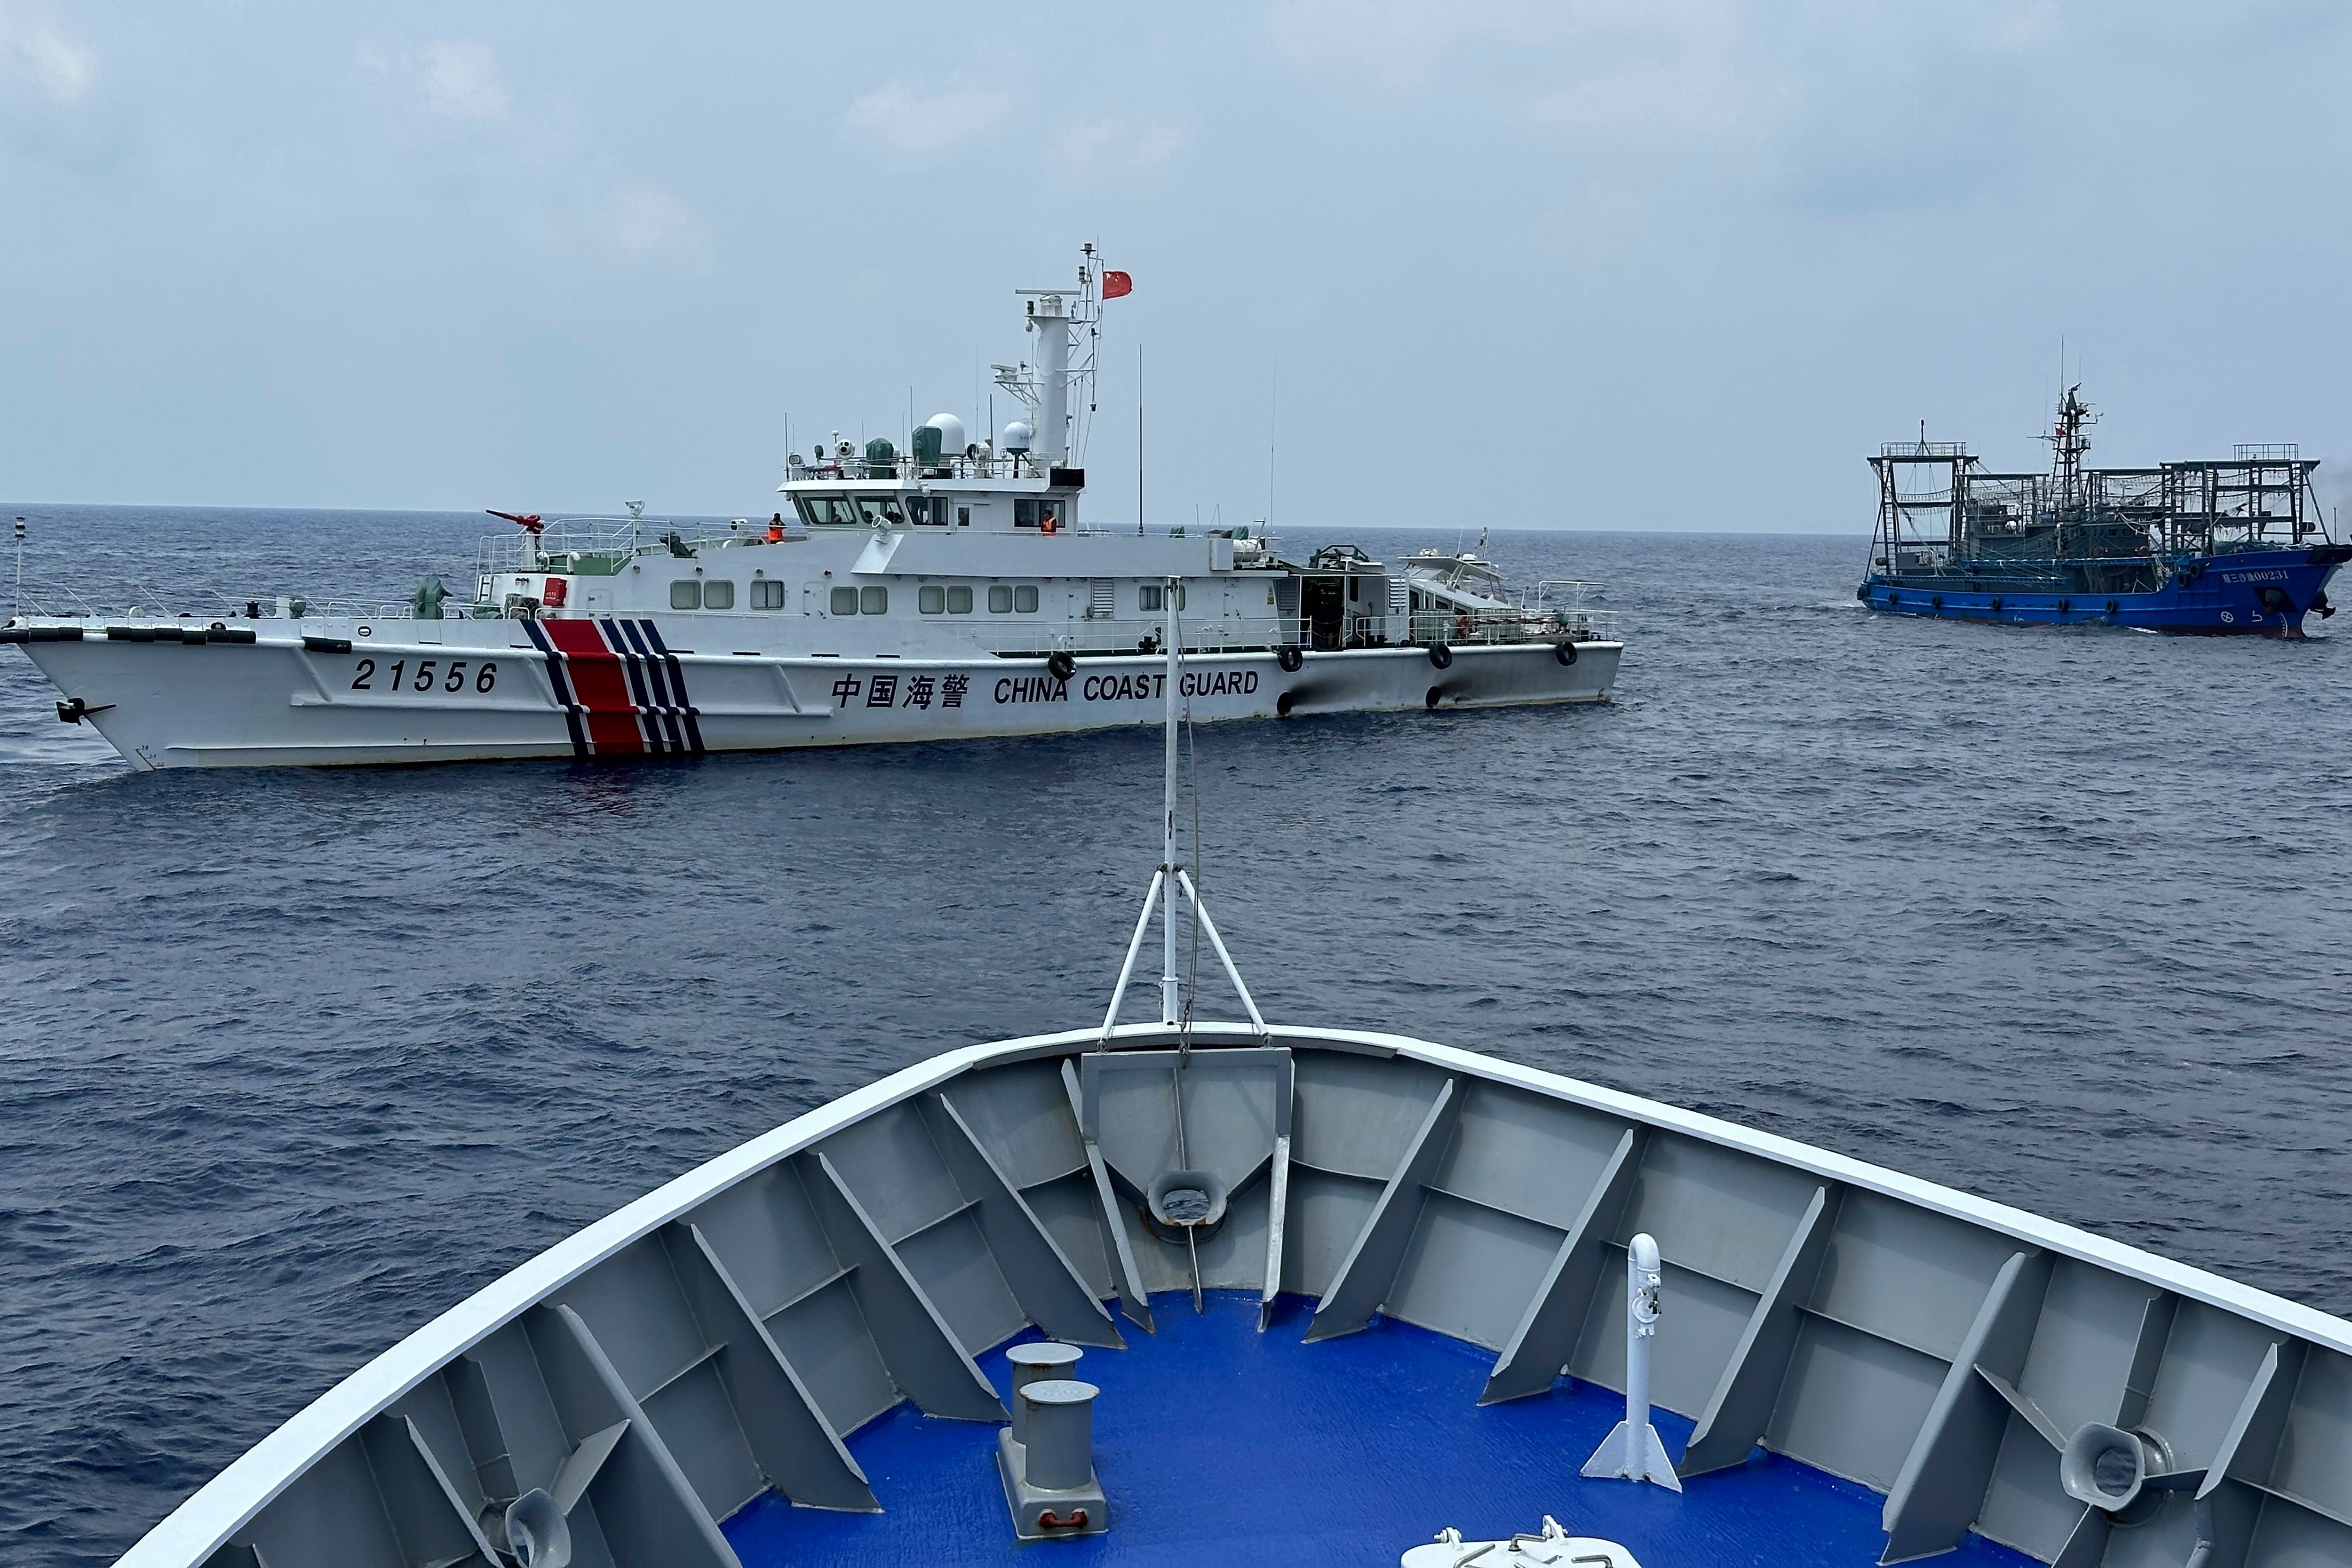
(2068, 442)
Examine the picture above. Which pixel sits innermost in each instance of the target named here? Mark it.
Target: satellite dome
(1017, 437)
(951, 430)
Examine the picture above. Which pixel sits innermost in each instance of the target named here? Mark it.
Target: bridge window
(1024, 598)
(845, 601)
(719, 594)
(929, 512)
(1151, 597)
(931, 600)
(958, 601)
(767, 593)
(1024, 512)
(686, 594)
(826, 510)
(880, 509)
(873, 601)
(999, 599)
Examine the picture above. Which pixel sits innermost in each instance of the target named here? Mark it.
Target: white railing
(140, 602)
(1513, 625)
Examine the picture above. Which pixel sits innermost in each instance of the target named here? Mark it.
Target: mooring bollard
(1633, 1452)
(1036, 1363)
(1047, 1459)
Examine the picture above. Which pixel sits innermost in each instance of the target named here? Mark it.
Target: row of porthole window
(768, 594)
(1003, 599)
(719, 594)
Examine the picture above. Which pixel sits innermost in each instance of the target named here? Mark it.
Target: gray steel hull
(734, 1325)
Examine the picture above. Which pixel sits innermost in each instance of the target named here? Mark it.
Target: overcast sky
(1648, 264)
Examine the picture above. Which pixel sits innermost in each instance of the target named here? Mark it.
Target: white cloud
(33, 43)
(461, 80)
(918, 121)
(643, 216)
(1109, 141)
(454, 78)
(1655, 65)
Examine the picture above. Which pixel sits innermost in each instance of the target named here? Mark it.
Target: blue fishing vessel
(2212, 547)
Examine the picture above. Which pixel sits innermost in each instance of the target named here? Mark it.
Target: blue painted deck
(1218, 1444)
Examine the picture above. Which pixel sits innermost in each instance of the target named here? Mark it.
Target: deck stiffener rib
(1939, 1490)
(1133, 1299)
(1741, 1406)
(919, 1350)
(1554, 1319)
(1048, 1286)
(2230, 1499)
(1277, 1209)
(1368, 1271)
(623, 1502)
(408, 1475)
(789, 1436)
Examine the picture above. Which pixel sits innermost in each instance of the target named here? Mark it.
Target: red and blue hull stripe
(623, 691)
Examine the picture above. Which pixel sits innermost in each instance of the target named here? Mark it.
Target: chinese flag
(1115, 284)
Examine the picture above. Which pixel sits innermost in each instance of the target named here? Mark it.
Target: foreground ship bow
(2218, 548)
(1409, 1244)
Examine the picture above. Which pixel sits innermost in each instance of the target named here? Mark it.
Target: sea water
(289, 1061)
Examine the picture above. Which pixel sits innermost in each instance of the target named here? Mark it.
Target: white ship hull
(482, 689)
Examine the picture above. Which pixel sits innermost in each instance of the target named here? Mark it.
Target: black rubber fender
(1290, 657)
(1996, 606)
(1282, 704)
(2064, 606)
(1937, 604)
(1565, 652)
(1060, 665)
(1440, 655)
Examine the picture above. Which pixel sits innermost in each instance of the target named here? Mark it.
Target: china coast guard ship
(2237, 547)
(1180, 1292)
(948, 590)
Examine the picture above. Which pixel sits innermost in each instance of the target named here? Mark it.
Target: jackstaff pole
(1170, 1011)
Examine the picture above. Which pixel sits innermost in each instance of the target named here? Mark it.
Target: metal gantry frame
(1965, 513)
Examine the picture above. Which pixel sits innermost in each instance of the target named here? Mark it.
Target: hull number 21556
(428, 674)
